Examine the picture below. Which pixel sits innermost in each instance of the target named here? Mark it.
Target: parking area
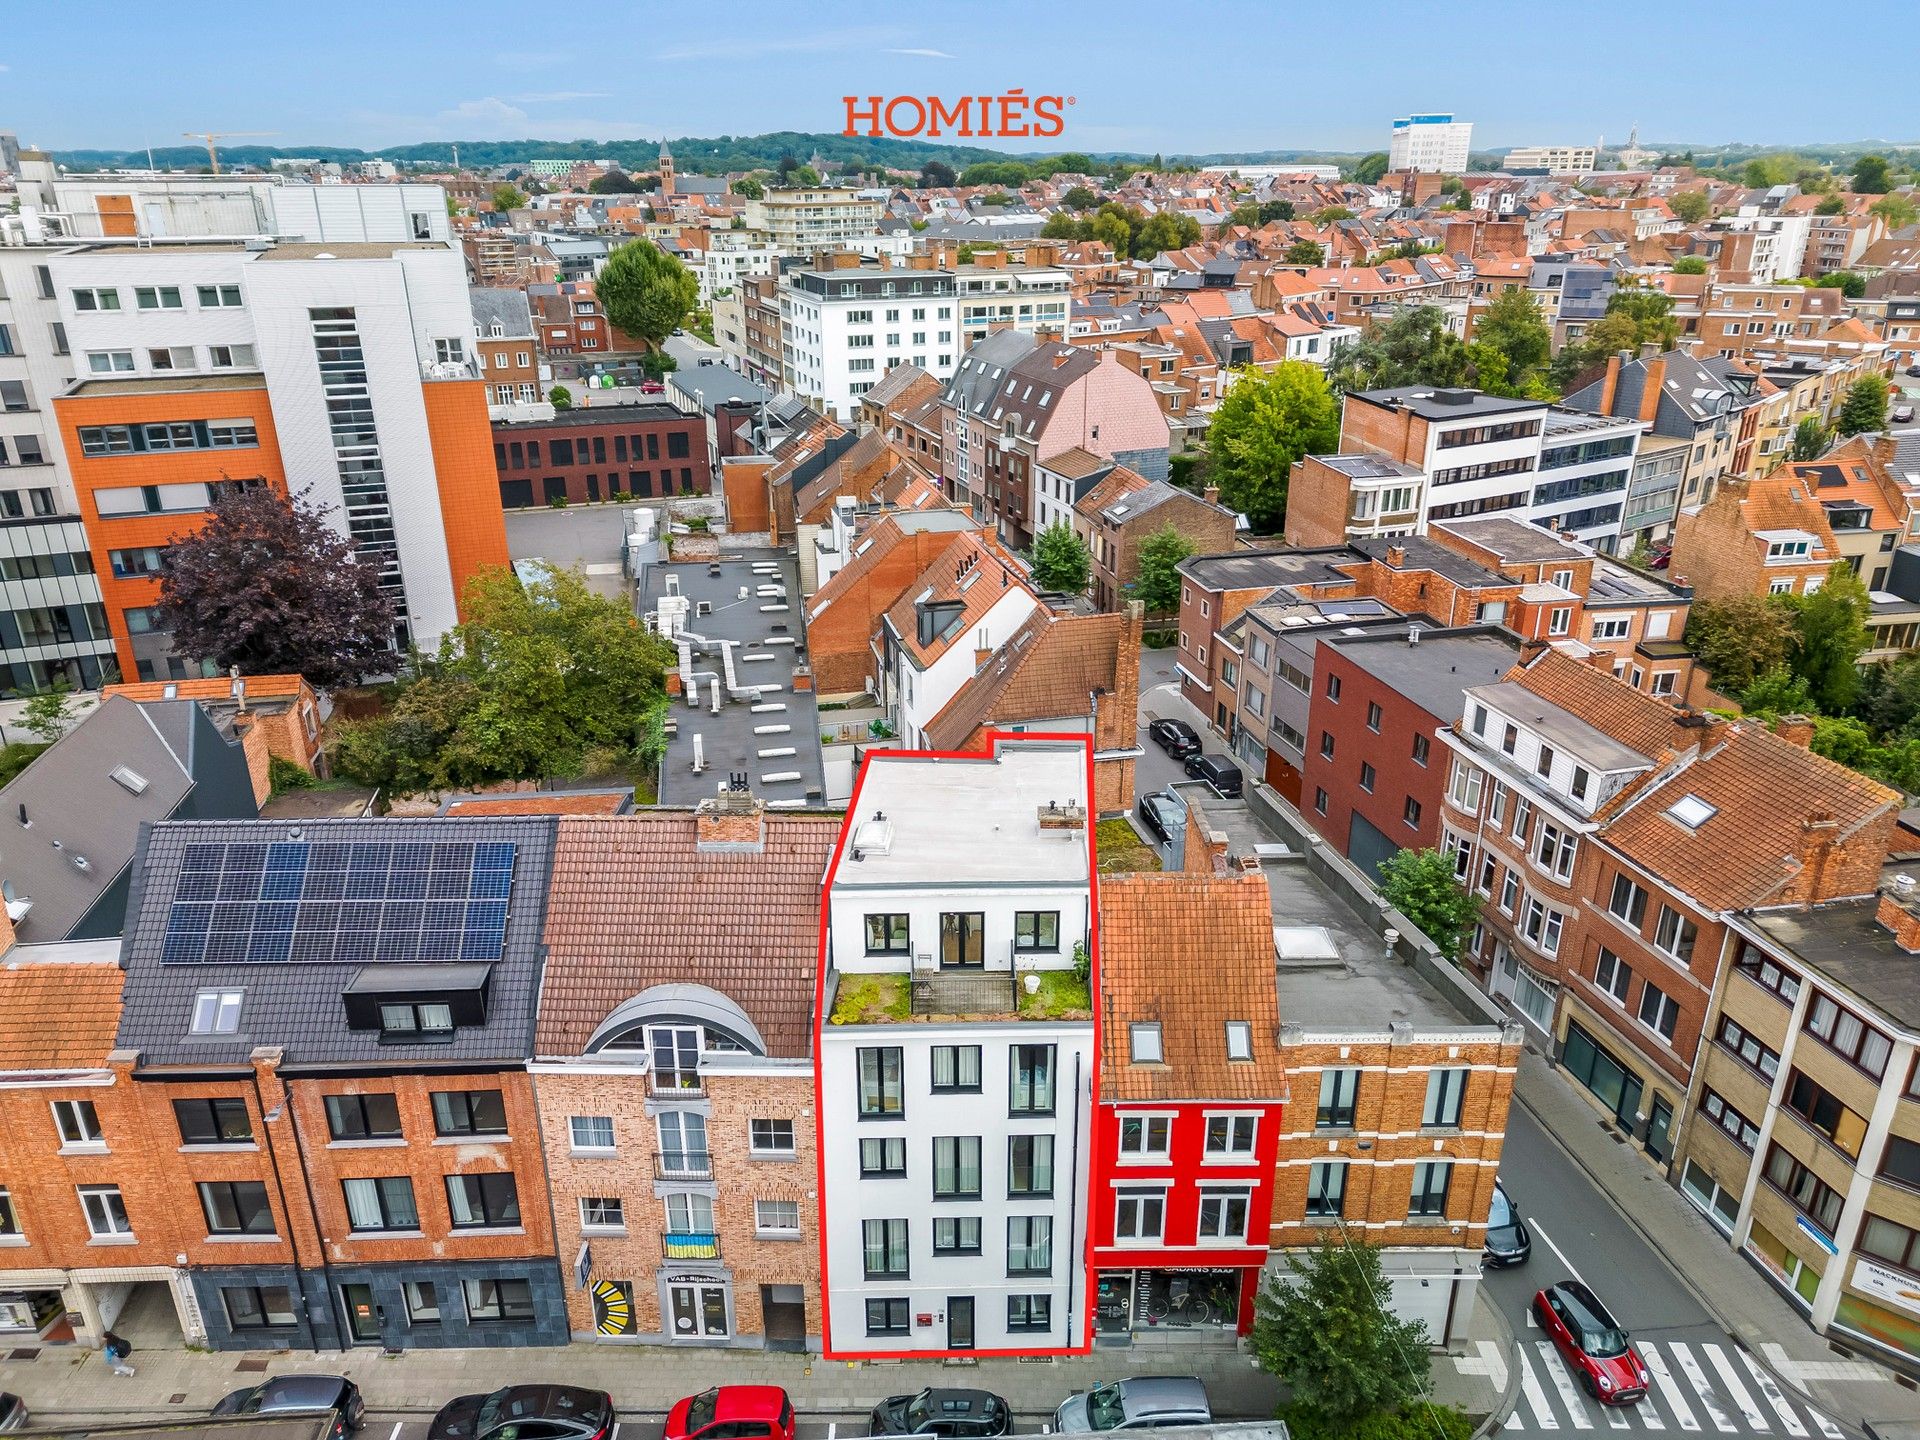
(583, 537)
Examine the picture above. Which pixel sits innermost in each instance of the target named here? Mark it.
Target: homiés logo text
(1011, 115)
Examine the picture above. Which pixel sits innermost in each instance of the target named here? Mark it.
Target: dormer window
(403, 1021)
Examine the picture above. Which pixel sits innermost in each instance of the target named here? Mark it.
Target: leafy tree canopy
(1689, 206)
(1830, 632)
(1871, 175)
(1851, 285)
(1739, 639)
(1897, 210)
(1420, 885)
(1414, 347)
(1263, 424)
(1061, 559)
(1157, 586)
(937, 175)
(508, 197)
(1368, 169)
(1304, 252)
(645, 291)
(1865, 407)
(1690, 265)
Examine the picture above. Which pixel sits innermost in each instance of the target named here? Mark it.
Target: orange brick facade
(462, 440)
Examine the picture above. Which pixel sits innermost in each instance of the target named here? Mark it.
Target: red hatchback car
(732, 1412)
(1592, 1343)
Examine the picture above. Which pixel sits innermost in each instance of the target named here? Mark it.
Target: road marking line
(616, 1430)
(1536, 1396)
(833, 1429)
(1788, 1420)
(396, 1430)
(1616, 1416)
(1563, 1382)
(1676, 1402)
(1496, 1359)
(1827, 1427)
(1756, 1418)
(1558, 1252)
(1709, 1401)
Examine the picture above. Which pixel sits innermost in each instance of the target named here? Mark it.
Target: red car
(735, 1412)
(1592, 1343)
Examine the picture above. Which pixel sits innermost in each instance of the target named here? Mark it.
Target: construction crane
(209, 136)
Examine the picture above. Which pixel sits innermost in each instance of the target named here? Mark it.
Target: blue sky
(1159, 75)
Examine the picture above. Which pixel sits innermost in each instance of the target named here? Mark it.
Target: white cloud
(922, 51)
(826, 40)
(492, 118)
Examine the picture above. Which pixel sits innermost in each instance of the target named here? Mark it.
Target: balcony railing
(684, 1084)
(683, 1165)
(690, 1245)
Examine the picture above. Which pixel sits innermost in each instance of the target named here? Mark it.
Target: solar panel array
(355, 903)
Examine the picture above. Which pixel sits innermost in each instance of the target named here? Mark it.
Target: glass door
(363, 1316)
(675, 1051)
(1659, 1124)
(960, 1322)
(963, 941)
(697, 1310)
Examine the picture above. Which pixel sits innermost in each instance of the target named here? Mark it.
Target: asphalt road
(635, 1425)
(1703, 1383)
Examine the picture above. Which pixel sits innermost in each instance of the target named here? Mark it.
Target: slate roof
(296, 1005)
(711, 385)
(636, 904)
(490, 303)
(1150, 953)
(895, 383)
(58, 1015)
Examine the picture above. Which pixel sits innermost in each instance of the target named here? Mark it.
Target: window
(1031, 1088)
(1743, 1130)
(1422, 747)
(770, 1137)
(1223, 1215)
(1139, 1215)
(423, 1302)
(1767, 973)
(157, 297)
(1824, 1112)
(409, 1021)
(381, 1204)
(1326, 744)
(1338, 1091)
(217, 1120)
(498, 1300)
(1333, 688)
(885, 1246)
(1430, 1181)
(956, 1069)
(603, 1212)
(215, 1012)
(1036, 930)
(1628, 902)
(231, 357)
(591, 1132)
(776, 1217)
(478, 1201)
(258, 1307)
(881, 1094)
(887, 935)
(883, 1156)
(1030, 1165)
(1612, 975)
(1326, 1189)
(1554, 850)
(1367, 777)
(1029, 1245)
(887, 1317)
(363, 1117)
(1410, 812)
(219, 297)
(1229, 1135)
(110, 362)
(1373, 716)
(1445, 1091)
(236, 1207)
(1901, 1164)
(106, 1212)
(1239, 1040)
(469, 1112)
(1145, 1136)
(1582, 778)
(1143, 1043)
(78, 1123)
(1735, 1038)
(1463, 789)
(1805, 1189)
(1027, 1314)
(1543, 926)
(1848, 1036)
(1543, 761)
(1659, 1011)
(1560, 620)
(96, 299)
(1522, 818)
(1675, 934)
(1894, 1243)
(13, 395)
(956, 1167)
(170, 357)
(1319, 800)
(1509, 740)
(451, 352)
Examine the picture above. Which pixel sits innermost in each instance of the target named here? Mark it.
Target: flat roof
(1844, 941)
(1562, 422)
(1434, 672)
(1514, 541)
(1368, 466)
(348, 249)
(163, 246)
(968, 821)
(1565, 729)
(1439, 402)
(644, 412)
(1617, 583)
(1252, 569)
(168, 384)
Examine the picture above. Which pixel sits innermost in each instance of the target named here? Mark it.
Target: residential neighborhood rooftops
(57, 1012)
(1566, 729)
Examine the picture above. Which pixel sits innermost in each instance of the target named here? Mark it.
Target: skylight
(1144, 1042)
(1691, 811)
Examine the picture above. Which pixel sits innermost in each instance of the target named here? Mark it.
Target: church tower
(666, 171)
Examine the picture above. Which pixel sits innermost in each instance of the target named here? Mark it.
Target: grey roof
(1434, 673)
(639, 412)
(712, 385)
(490, 303)
(1617, 584)
(1849, 947)
(1434, 402)
(1562, 422)
(1148, 497)
(981, 370)
(297, 1006)
(1567, 730)
(1422, 553)
(1368, 466)
(1514, 541)
(75, 811)
(1253, 569)
(1693, 392)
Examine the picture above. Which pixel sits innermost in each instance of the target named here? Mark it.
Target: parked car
(1161, 814)
(1902, 415)
(1913, 369)
(1508, 1242)
(1220, 773)
(13, 1412)
(1176, 737)
(554, 1412)
(300, 1394)
(1141, 1402)
(960, 1413)
(1591, 1341)
(733, 1412)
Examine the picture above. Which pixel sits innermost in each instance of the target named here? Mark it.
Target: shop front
(1204, 1302)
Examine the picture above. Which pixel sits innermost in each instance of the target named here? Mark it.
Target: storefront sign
(1819, 1236)
(583, 1266)
(1889, 1285)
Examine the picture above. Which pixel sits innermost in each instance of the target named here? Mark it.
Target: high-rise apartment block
(1434, 144)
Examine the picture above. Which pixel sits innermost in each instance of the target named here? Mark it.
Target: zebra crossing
(1702, 1389)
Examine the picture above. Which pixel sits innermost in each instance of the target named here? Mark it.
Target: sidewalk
(1726, 1283)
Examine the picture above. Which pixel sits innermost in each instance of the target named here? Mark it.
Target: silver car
(1142, 1402)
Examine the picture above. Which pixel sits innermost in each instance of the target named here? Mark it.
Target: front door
(963, 941)
(363, 1316)
(960, 1322)
(1659, 1123)
(699, 1311)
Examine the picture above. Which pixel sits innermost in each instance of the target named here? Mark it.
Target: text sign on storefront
(1889, 1285)
(1820, 1237)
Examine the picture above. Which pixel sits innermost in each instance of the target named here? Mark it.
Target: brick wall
(1319, 498)
(1397, 776)
(840, 636)
(1383, 430)
(644, 451)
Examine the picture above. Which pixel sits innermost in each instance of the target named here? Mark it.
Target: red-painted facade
(1396, 775)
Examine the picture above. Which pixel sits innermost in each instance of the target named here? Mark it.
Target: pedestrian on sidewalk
(116, 1351)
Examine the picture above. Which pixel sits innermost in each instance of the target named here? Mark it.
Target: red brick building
(601, 452)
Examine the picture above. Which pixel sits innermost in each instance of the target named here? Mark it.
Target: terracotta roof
(1151, 950)
(1046, 671)
(946, 579)
(1763, 789)
(877, 543)
(1121, 482)
(634, 903)
(1075, 463)
(1635, 719)
(551, 802)
(58, 1014)
(213, 687)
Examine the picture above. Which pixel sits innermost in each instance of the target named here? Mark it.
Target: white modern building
(1437, 144)
(1585, 464)
(843, 328)
(1020, 297)
(806, 221)
(956, 1056)
(1557, 159)
(731, 255)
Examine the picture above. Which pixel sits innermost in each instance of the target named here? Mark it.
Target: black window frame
(956, 1224)
(510, 1305)
(338, 1105)
(1339, 1114)
(214, 1108)
(1028, 926)
(1017, 1055)
(888, 1082)
(1329, 1202)
(895, 1315)
(1426, 1204)
(887, 1245)
(957, 1167)
(958, 1086)
(1029, 1314)
(387, 1215)
(258, 1295)
(902, 944)
(772, 1125)
(1032, 1164)
(253, 1214)
(1028, 1246)
(462, 1105)
(498, 1194)
(1451, 1098)
(890, 1146)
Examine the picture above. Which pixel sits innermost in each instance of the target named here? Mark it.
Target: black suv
(963, 1414)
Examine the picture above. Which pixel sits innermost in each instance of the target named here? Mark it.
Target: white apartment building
(1023, 297)
(956, 1056)
(1559, 159)
(954, 623)
(843, 328)
(807, 221)
(1585, 464)
(730, 256)
(1435, 144)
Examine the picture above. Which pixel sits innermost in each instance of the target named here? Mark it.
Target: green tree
(1830, 632)
(1890, 697)
(1071, 163)
(560, 397)
(657, 364)
(48, 712)
(1871, 175)
(748, 188)
(533, 679)
(1330, 214)
(508, 197)
(1513, 325)
(1809, 439)
(645, 291)
(1304, 252)
(1273, 210)
(937, 175)
(803, 177)
(1368, 169)
(1779, 692)
(1849, 284)
(1767, 170)
(1845, 741)
(1061, 559)
(995, 172)
(1111, 229)
(1164, 230)
(1265, 422)
(1060, 226)
(1690, 265)
(1865, 407)
(1157, 586)
(1414, 347)
(1689, 206)
(1079, 197)
(612, 182)
(1739, 639)
(1321, 1329)
(1420, 885)
(1897, 210)
(1832, 205)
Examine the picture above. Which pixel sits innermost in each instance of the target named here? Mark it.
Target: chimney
(1651, 386)
(1057, 815)
(1795, 730)
(1125, 701)
(1396, 556)
(1211, 494)
(1610, 386)
(735, 820)
(981, 655)
(1817, 834)
(1900, 913)
(1648, 350)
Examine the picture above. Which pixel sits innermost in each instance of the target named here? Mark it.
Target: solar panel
(339, 903)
